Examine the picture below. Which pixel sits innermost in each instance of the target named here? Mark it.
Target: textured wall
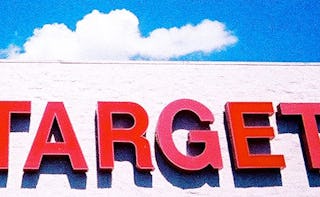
(153, 85)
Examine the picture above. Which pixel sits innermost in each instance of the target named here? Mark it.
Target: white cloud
(116, 36)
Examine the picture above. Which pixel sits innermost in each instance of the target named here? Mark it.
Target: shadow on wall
(3, 179)
(122, 152)
(258, 177)
(185, 180)
(18, 123)
(177, 177)
(49, 165)
(126, 152)
(294, 125)
(55, 165)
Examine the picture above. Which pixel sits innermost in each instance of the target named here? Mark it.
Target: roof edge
(240, 63)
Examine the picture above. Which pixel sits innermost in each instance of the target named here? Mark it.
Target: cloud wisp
(116, 36)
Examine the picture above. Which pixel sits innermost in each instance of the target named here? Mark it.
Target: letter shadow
(244, 178)
(293, 124)
(3, 178)
(184, 179)
(18, 123)
(55, 165)
(122, 152)
(181, 178)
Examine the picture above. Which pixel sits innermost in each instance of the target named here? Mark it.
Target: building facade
(77, 88)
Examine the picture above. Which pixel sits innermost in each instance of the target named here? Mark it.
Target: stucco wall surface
(153, 85)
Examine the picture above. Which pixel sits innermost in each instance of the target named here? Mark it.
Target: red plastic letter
(307, 111)
(107, 135)
(239, 135)
(6, 108)
(41, 145)
(211, 154)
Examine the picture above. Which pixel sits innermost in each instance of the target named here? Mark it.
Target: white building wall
(153, 85)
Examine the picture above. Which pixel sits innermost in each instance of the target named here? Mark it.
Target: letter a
(41, 145)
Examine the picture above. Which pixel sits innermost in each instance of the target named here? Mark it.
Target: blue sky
(280, 31)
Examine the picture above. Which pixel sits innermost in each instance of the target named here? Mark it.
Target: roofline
(235, 63)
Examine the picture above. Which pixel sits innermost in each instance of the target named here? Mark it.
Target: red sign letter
(42, 145)
(211, 154)
(107, 135)
(307, 111)
(239, 135)
(6, 108)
